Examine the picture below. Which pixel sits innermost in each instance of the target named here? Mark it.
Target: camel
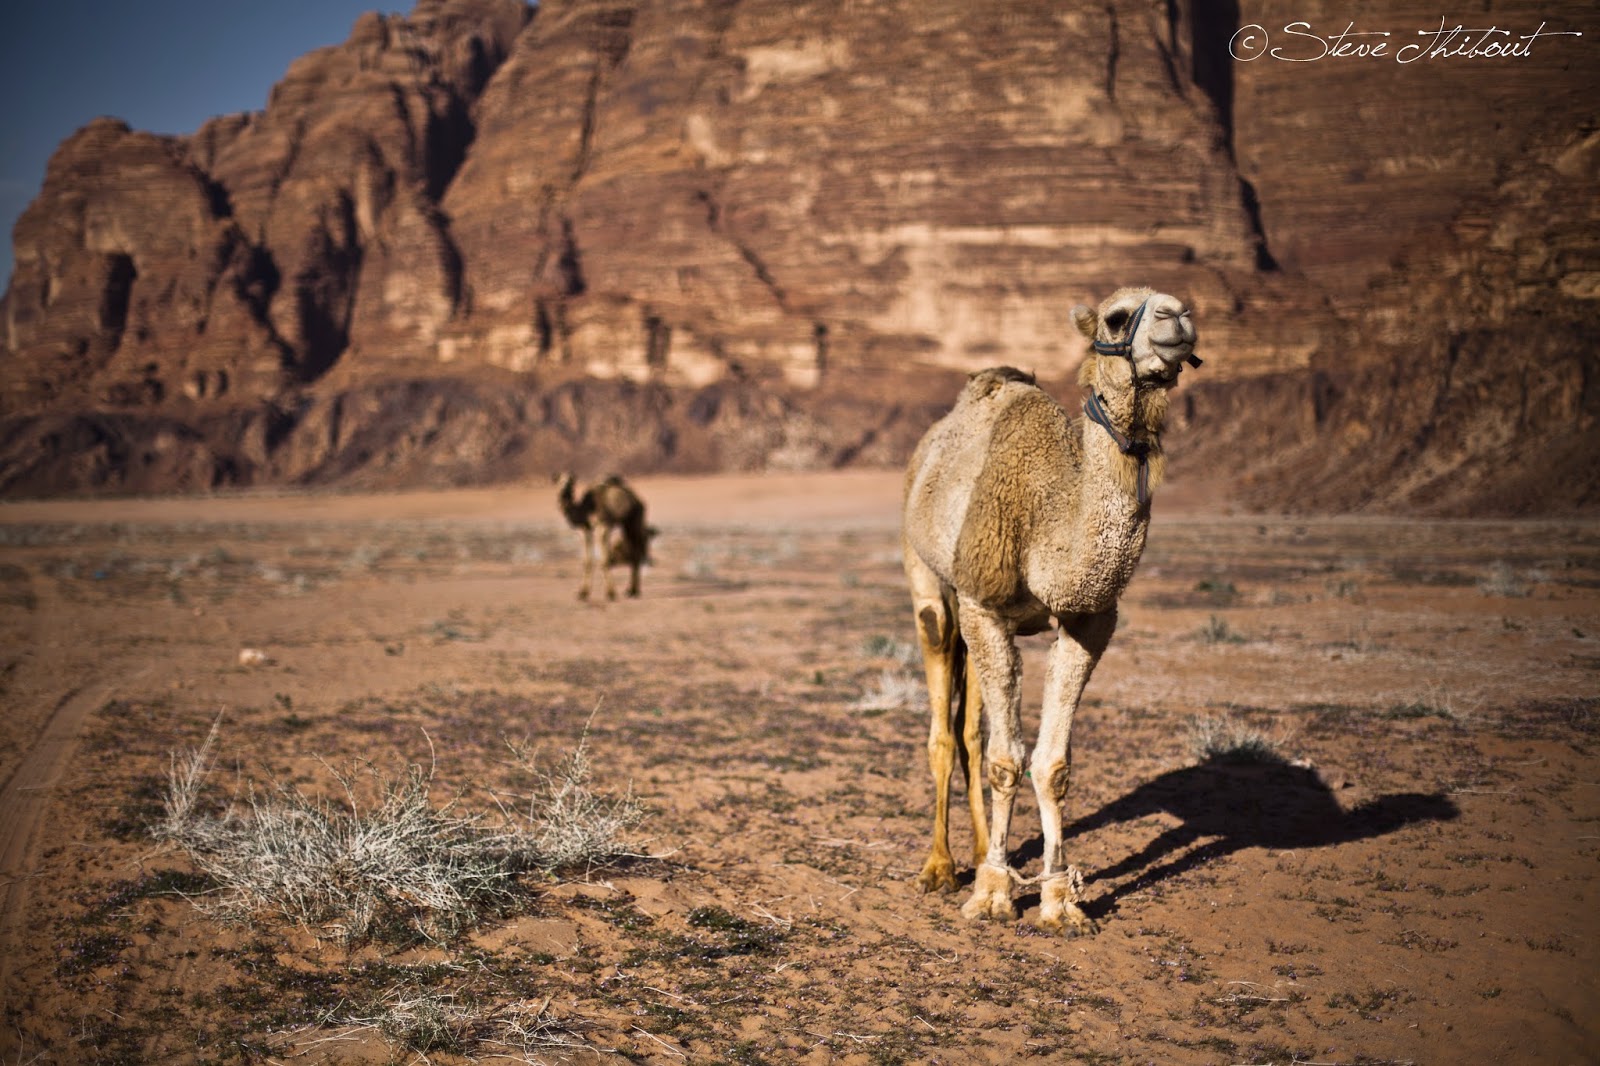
(1019, 518)
(615, 511)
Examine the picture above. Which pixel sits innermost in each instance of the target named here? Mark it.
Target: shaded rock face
(482, 241)
(1471, 382)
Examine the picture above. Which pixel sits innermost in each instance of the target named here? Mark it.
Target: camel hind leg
(636, 538)
(969, 721)
(608, 538)
(588, 562)
(938, 637)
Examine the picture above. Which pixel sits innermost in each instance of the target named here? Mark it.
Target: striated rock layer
(482, 241)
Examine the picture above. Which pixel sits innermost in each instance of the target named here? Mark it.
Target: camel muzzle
(1124, 347)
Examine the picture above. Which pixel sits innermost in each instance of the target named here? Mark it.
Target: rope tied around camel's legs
(1071, 875)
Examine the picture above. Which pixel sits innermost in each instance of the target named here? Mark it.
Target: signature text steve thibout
(1298, 42)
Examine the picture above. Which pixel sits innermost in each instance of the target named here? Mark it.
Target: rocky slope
(1470, 382)
(481, 241)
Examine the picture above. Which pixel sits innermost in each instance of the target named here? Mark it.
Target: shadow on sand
(1232, 806)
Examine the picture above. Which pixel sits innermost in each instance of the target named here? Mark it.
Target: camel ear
(1086, 320)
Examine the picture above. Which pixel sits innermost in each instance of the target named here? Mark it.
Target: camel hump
(616, 503)
(984, 382)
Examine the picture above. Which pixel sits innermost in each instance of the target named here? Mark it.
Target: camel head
(1152, 331)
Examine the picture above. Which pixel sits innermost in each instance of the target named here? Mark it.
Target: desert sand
(1409, 876)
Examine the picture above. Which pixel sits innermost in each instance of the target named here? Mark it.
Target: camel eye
(1116, 320)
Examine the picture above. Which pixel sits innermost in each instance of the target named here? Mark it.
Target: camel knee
(1003, 776)
(1054, 780)
(933, 625)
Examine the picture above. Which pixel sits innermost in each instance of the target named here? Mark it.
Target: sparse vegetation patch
(1226, 739)
(383, 854)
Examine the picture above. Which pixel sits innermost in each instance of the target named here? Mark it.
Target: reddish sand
(1413, 881)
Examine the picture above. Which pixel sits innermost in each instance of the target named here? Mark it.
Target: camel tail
(960, 664)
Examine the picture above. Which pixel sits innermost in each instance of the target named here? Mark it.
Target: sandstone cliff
(483, 241)
(1470, 380)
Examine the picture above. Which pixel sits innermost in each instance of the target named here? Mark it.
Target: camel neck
(1095, 409)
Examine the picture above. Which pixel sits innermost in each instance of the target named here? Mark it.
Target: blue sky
(163, 65)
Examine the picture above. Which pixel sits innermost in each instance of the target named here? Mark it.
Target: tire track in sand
(23, 802)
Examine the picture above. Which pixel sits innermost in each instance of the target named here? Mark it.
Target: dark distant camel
(616, 512)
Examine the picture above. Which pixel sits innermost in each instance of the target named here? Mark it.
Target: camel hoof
(1058, 907)
(991, 896)
(1070, 923)
(583, 595)
(937, 876)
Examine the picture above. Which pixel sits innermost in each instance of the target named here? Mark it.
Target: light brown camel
(1018, 517)
(615, 511)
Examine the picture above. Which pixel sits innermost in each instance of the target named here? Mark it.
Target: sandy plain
(1412, 881)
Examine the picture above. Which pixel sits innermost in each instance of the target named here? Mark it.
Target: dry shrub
(1226, 739)
(341, 866)
(895, 691)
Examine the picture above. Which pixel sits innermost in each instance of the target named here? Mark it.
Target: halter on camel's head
(1124, 347)
(1094, 407)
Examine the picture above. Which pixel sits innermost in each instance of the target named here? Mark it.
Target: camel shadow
(1232, 806)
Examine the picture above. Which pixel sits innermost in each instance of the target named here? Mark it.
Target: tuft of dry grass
(1503, 581)
(343, 866)
(904, 652)
(894, 691)
(426, 1019)
(1226, 739)
(563, 824)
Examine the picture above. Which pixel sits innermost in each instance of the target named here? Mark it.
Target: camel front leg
(1080, 640)
(588, 562)
(992, 653)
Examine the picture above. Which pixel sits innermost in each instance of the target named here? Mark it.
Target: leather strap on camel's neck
(1095, 409)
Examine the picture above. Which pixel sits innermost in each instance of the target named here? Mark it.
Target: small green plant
(1343, 588)
(880, 646)
(1437, 702)
(455, 628)
(1220, 593)
(1217, 631)
(1414, 709)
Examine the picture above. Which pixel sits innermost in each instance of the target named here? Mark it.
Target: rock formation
(1469, 381)
(483, 239)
